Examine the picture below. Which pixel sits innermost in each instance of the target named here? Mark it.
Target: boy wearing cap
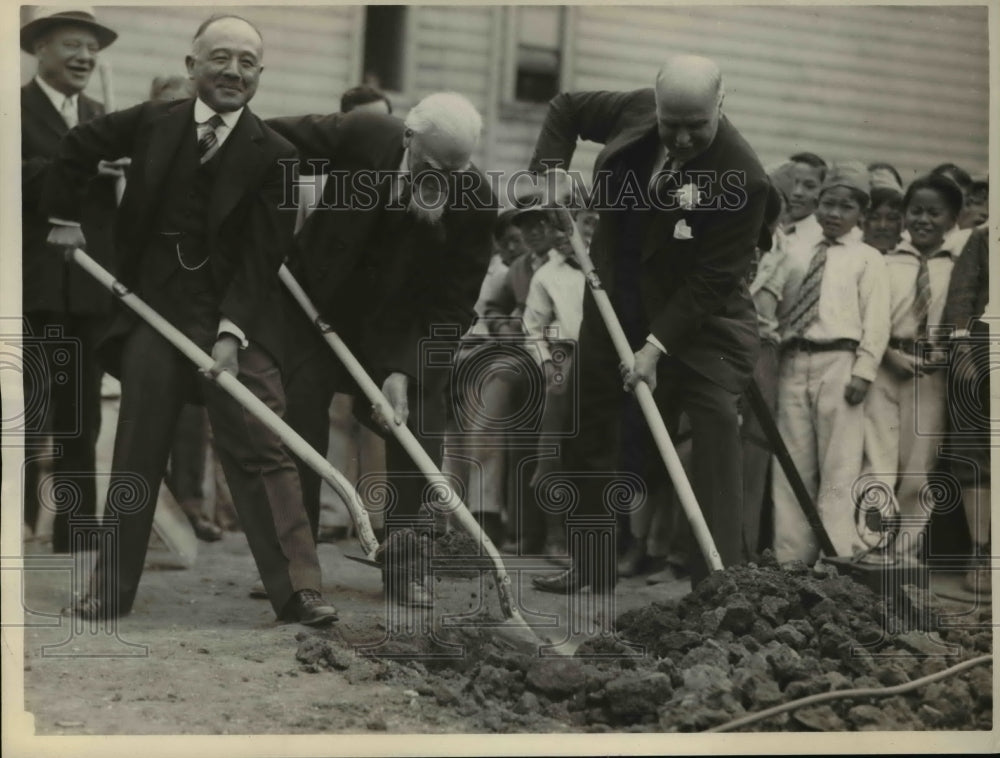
(834, 326)
(62, 304)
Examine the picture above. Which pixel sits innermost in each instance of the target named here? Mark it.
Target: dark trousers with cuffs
(156, 382)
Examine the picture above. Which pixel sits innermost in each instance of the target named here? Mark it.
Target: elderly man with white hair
(398, 246)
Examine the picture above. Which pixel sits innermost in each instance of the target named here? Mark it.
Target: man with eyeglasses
(200, 237)
(397, 247)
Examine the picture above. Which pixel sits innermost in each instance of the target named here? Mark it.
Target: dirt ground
(198, 656)
(216, 661)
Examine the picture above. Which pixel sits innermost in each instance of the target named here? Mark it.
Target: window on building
(538, 71)
(385, 46)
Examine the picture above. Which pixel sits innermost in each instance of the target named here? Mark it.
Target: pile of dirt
(746, 639)
(756, 636)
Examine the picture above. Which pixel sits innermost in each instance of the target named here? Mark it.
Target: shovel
(451, 501)
(242, 395)
(645, 397)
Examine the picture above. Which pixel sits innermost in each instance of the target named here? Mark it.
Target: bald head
(689, 75)
(689, 98)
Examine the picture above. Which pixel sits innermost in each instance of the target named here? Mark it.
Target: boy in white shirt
(834, 325)
(906, 415)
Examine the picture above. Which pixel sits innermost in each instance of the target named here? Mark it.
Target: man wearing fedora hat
(63, 308)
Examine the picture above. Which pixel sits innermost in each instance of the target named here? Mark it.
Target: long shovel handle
(646, 402)
(241, 394)
(443, 490)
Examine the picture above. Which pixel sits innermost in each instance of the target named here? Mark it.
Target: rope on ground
(824, 697)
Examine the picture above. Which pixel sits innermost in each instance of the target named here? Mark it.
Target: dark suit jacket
(384, 301)
(693, 291)
(49, 282)
(248, 236)
(969, 286)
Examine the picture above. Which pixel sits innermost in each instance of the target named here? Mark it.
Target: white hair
(449, 114)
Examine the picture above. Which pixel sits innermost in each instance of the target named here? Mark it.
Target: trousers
(612, 439)
(825, 438)
(906, 420)
(156, 382)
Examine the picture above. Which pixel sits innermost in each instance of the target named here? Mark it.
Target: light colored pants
(905, 422)
(824, 436)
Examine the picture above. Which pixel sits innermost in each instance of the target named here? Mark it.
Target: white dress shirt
(806, 233)
(903, 266)
(58, 99)
(853, 300)
(554, 307)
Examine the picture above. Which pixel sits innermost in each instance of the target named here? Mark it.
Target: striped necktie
(922, 299)
(806, 306)
(208, 140)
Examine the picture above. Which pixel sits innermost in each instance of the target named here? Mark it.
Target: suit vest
(176, 277)
(187, 190)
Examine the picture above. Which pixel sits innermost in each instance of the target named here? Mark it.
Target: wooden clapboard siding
(904, 84)
(452, 53)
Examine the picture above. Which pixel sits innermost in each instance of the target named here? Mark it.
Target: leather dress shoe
(205, 530)
(308, 607)
(414, 593)
(570, 580)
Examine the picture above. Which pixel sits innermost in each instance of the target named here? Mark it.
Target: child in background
(906, 411)
(883, 224)
(807, 173)
(553, 312)
(834, 325)
(976, 211)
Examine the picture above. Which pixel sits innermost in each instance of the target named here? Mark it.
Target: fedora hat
(49, 18)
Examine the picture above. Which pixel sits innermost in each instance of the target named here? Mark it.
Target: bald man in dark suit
(682, 199)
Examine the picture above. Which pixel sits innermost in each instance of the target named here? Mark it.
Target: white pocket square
(682, 231)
